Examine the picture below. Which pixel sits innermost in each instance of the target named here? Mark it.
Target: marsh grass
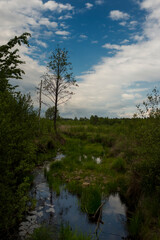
(67, 234)
(129, 149)
(135, 223)
(90, 199)
(53, 233)
(119, 165)
(43, 233)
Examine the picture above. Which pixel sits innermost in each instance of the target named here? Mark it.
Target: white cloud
(19, 16)
(64, 17)
(99, 2)
(118, 15)
(123, 23)
(43, 44)
(112, 46)
(46, 22)
(89, 5)
(83, 36)
(125, 41)
(63, 25)
(138, 38)
(127, 96)
(133, 23)
(62, 33)
(54, 6)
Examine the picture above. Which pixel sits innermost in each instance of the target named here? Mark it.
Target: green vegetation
(129, 154)
(102, 155)
(65, 233)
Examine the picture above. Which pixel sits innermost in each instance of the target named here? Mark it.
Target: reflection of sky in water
(114, 206)
(113, 216)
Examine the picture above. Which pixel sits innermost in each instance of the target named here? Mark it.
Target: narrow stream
(54, 210)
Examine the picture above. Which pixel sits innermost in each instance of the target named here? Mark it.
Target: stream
(54, 210)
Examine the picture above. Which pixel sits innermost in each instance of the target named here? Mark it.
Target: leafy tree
(147, 134)
(9, 58)
(94, 120)
(150, 107)
(50, 113)
(17, 148)
(59, 80)
(10, 61)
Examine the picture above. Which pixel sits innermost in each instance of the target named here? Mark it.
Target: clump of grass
(64, 233)
(74, 188)
(57, 165)
(119, 165)
(135, 224)
(89, 165)
(42, 233)
(112, 187)
(55, 182)
(67, 234)
(90, 199)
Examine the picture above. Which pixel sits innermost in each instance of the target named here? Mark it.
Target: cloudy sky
(114, 47)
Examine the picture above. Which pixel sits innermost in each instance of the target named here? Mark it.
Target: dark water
(54, 210)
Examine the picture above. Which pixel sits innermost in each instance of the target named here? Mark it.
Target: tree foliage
(10, 59)
(150, 107)
(17, 148)
(147, 134)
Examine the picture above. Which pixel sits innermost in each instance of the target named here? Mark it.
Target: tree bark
(40, 100)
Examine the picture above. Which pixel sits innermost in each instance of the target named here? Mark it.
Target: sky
(114, 48)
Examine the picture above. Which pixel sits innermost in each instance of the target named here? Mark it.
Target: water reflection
(113, 216)
(65, 208)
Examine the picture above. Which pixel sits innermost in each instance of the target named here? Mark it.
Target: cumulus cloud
(54, 6)
(118, 15)
(116, 84)
(19, 16)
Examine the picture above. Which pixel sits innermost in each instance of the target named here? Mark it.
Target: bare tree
(39, 92)
(58, 82)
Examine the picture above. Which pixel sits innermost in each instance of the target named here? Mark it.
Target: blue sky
(113, 45)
